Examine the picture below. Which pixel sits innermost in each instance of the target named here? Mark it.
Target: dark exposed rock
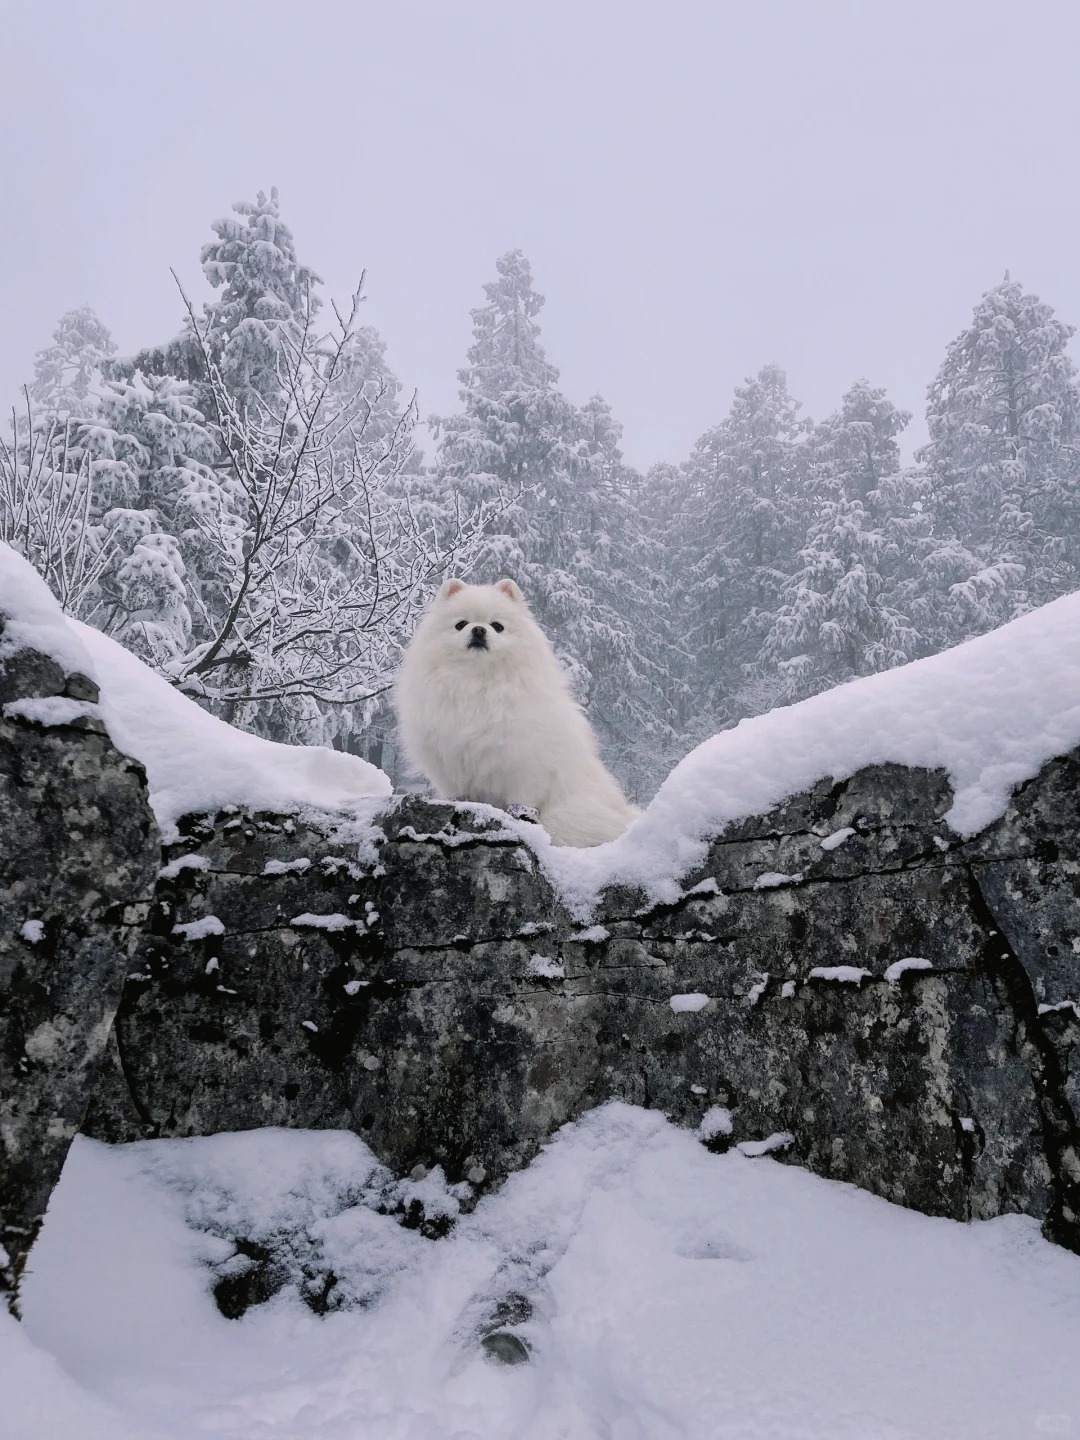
(506, 1347)
(1027, 867)
(29, 675)
(255, 1276)
(78, 858)
(500, 1331)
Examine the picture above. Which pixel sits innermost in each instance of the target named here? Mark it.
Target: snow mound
(909, 963)
(990, 712)
(840, 974)
(196, 762)
(52, 710)
(32, 618)
(675, 1295)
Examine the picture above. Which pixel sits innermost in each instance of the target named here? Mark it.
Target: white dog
(486, 714)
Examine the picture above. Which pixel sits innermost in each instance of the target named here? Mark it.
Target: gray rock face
(437, 999)
(78, 859)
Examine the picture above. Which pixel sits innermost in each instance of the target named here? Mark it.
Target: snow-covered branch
(46, 511)
(330, 526)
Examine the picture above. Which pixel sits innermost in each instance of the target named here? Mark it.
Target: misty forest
(258, 508)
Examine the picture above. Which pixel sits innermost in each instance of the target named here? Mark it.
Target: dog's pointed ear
(450, 588)
(510, 590)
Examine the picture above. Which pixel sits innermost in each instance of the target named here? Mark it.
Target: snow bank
(32, 618)
(990, 712)
(194, 762)
(52, 710)
(677, 1295)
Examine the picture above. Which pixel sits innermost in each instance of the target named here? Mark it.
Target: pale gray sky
(701, 187)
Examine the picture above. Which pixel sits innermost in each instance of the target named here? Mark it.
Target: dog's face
(478, 623)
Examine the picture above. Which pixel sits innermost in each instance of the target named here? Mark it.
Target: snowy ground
(678, 1294)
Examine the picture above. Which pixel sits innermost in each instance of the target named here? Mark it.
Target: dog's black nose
(479, 632)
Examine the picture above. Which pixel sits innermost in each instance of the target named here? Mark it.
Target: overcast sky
(701, 187)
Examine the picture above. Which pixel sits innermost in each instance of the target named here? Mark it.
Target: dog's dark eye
(461, 625)
(496, 627)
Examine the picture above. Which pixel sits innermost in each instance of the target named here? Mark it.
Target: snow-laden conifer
(1003, 420)
(741, 521)
(840, 613)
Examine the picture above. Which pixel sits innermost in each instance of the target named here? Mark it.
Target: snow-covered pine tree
(840, 614)
(99, 487)
(1003, 420)
(243, 506)
(739, 527)
(563, 526)
(858, 445)
(151, 457)
(511, 445)
(662, 503)
(621, 640)
(305, 500)
(267, 302)
(332, 561)
(68, 372)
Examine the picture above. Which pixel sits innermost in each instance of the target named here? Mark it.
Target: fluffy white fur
(486, 714)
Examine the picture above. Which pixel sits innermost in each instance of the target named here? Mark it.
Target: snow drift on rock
(194, 761)
(32, 618)
(990, 712)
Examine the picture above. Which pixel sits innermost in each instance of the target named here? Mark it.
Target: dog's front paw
(524, 812)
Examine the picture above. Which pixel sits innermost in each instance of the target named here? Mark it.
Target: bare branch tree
(268, 552)
(46, 500)
(333, 555)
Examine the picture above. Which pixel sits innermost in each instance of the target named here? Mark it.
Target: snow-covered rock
(391, 971)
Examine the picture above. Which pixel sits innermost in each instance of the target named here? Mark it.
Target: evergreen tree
(151, 461)
(512, 443)
(261, 319)
(1003, 420)
(100, 489)
(267, 300)
(366, 389)
(740, 525)
(621, 637)
(68, 372)
(243, 507)
(310, 435)
(858, 446)
(840, 614)
(661, 506)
